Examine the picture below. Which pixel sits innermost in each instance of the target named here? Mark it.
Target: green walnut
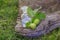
(32, 25)
(36, 21)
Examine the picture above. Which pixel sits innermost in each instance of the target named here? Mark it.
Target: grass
(8, 15)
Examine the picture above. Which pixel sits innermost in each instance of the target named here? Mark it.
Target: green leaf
(40, 15)
(30, 12)
(27, 24)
